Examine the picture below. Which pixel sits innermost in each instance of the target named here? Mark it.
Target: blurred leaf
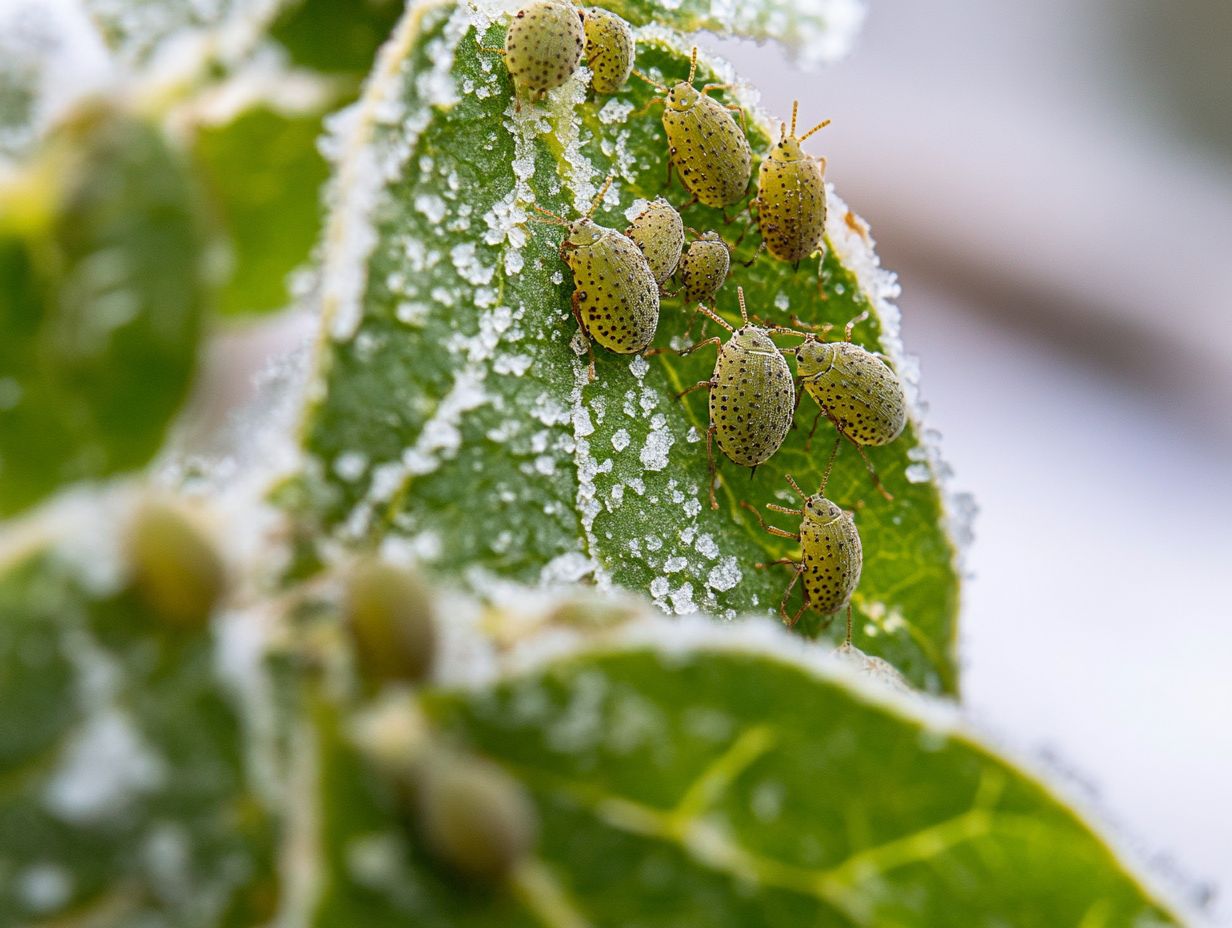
(102, 296)
(704, 786)
(124, 793)
(453, 410)
(264, 175)
(336, 36)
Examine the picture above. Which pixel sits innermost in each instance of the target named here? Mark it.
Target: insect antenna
(650, 80)
(552, 220)
(693, 65)
(795, 486)
(817, 128)
(825, 475)
(706, 311)
(795, 111)
(601, 194)
(744, 313)
(820, 330)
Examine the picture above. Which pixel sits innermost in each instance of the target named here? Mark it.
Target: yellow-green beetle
(658, 231)
(610, 49)
(615, 296)
(706, 146)
(752, 395)
(855, 389)
(791, 196)
(543, 46)
(831, 556)
(704, 267)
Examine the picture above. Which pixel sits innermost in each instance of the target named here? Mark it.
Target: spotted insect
(791, 196)
(704, 267)
(658, 231)
(610, 49)
(543, 46)
(615, 296)
(705, 144)
(855, 389)
(751, 394)
(831, 556)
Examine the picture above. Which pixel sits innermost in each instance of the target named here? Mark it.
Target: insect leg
(756, 254)
(790, 623)
(714, 503)
(685, 351)
(773, 530)
(649, 104)
(752, 219)
(872, 471)
(706, 384)
(808, 442)
(825, 477)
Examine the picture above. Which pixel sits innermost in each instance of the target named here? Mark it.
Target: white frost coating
(43, 887)
(105, 767)
(724, 575)
(658, 443)
(364, 164)
(587, 468)
(854, 246)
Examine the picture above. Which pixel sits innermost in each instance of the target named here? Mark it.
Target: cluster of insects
(619, 278)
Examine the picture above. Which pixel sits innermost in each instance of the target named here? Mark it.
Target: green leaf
(335, 37)
(453, 412)
(707, 780)
(264, 176)
(103, 289)
(125, 793)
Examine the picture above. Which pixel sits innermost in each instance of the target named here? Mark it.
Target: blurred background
(1053, 183)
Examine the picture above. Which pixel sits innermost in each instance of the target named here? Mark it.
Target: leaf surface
(453, 411)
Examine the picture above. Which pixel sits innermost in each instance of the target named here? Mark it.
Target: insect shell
(752, 396)
(831, 556)
(791, 196)
(543, 46)
(704, 267)
(855, 389)
(658, 231)
(610, 49)
(706, 146)
(615, 297)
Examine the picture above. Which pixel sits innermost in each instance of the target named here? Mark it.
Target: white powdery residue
(466, 262)
(682, 600)
(854, 246)
(659, 587)
(43, 887)
(637, 485)
(615, 111)
(587, 499)
(515, 364)
(566, 569)
(653, 543)
(707, 547)
(103, 769)
(441, 436)
(638, 366)
(648, 400)
(673, 565)
(431, 206)
(781, 301)
(724, 575)
(635, 210)
(412, 313)
(620, 440)
(658, 443)
(692, 507)
(581, 174)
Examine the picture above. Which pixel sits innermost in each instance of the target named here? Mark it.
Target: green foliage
(103, 290)
(470, 408)
(264, 176)
(124, 790)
